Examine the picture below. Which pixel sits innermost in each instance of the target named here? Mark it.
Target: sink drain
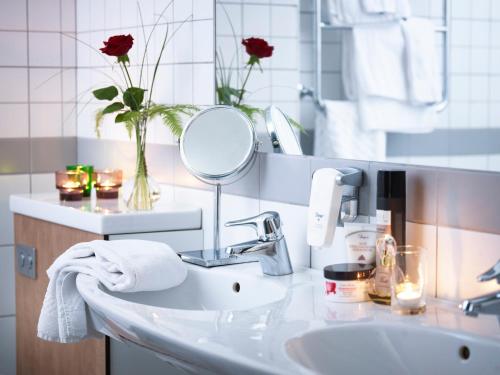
(236, 287)
(464, 352)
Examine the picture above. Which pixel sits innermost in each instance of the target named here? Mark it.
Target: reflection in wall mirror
(281, 132)
(415, 83)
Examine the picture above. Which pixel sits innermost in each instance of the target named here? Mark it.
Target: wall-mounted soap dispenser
(334, 200)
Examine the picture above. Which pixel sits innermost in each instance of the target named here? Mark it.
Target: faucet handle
(267, 225)
(492, 273)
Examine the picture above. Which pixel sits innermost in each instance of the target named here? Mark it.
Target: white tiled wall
(186, 72)
(38, 80)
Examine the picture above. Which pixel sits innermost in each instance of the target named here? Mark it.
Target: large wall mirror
(412, 81)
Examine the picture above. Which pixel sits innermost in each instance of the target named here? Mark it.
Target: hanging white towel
(354, 12)
(390, 115)
(374, 73)
(338, 134)
(121, 266)
(421, 61)
(372, 62)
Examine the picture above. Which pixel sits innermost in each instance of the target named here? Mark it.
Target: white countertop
(107, 216)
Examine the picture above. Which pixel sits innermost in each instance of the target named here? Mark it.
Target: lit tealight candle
(71, 184)
(107, 183)
(408, 294)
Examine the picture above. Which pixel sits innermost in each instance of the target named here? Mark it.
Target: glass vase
(142, 191)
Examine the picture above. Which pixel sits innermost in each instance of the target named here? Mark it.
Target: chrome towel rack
(316, 94)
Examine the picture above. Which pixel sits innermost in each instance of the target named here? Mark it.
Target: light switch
(26, 260)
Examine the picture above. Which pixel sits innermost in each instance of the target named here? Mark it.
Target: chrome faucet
(488, 303)
(269, 248)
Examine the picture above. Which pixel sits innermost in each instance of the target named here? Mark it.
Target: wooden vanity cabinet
(90, 357)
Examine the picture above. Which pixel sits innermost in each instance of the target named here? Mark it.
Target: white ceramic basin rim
(206, 290)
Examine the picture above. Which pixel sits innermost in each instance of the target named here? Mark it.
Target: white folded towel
(373, 62)
(424, 84)
(359, 12)
(121, 266)
(400, 8)
(338, 134)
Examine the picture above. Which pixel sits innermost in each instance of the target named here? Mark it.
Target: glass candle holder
(408, 280)
(89, 169)
(107, 182)
(71, 184)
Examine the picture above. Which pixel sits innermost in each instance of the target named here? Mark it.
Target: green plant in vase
(132, 106)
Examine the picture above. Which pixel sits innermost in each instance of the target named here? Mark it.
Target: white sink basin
(394, 349)
(204, 289)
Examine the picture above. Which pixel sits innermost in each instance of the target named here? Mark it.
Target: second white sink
(394, 349)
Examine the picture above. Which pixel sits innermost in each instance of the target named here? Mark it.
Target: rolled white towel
(121, 266)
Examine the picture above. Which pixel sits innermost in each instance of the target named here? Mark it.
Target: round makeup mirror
(218, 146)
(283, 138)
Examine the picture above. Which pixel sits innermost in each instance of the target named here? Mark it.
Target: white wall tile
(203, 41)
(44, 49)
(44, 15)
(7, 276)
(68, 50)
(14, 121)
(462, 256)
(284, 21)
(183, 43)
(256, 20)
(43, 183)
(13, 15)
(68, 15)
(183, 86)
(8, 346)
(203, 9)
(294, 223)
(46, 120)
(425, 236)
(10, 184)
(15, 43)
(17, 81)
(69, 119)
(45, 85)
(183, 10)
(204, 85)
(479, 88)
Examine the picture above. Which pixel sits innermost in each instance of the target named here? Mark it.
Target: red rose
(118, 45)
(257, 47)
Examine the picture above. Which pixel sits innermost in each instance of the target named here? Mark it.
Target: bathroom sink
(393, 349)
(204, 289)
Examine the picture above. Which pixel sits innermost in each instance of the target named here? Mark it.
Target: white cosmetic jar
(347, 282)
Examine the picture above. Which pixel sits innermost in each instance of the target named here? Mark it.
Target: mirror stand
(217, 217)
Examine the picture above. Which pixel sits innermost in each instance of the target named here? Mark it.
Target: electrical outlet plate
(26, 260)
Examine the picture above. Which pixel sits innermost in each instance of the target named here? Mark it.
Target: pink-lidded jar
(347, 282)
